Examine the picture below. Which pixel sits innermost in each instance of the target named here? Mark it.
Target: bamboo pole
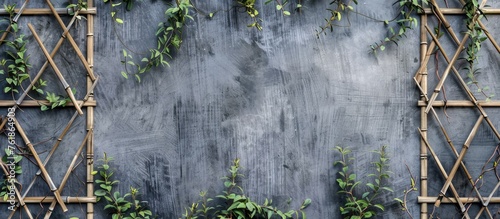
(4, 35)
(90, 114)
(446, 72)
(460, 103)
(448, 200)
(425, 60)
(461, 156)
(68, 172)
(46, 64)
(46, 11)
(423, 118)
(49, 199)
(37, 103)
(45, 174)
(71, 41)
(56, 70)
(459, 11)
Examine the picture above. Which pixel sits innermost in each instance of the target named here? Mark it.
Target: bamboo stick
(461, 156)
(49, 199)
(90, 113)
(45, 174)
(46, 64)
(37, 103)
(72, 41)
(422, 83)
(423, 65)
(68, 172)
(448, 200)
(46, 11)
(460, 103)
(446, 72)
(56, 70)
(459, 11)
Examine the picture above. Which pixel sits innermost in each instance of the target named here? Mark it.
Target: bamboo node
(423, 43)
(90, 34)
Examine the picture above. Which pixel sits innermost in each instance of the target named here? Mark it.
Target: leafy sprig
(169, 36)
(237, 204)
(127, 206)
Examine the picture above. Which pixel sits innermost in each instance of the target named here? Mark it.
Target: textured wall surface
(279, 99)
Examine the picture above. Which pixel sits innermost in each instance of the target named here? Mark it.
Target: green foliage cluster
(477, 37)
(169, 36)
(365, 205)
(238, 205)
(15, 67)
(56, 100)
(339, 8)
(127, 206)
(5, 184)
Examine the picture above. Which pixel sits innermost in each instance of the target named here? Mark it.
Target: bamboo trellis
(83, 107)
(434, 15)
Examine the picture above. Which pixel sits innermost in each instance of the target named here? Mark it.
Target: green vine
(237, 204)
(405, 21)
(341, 7)
(365, 205)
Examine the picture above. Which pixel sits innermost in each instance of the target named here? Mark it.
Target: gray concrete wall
(279, 99)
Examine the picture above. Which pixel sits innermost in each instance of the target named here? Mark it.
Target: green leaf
(99, 192)
(287, 13)
(118, 20)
